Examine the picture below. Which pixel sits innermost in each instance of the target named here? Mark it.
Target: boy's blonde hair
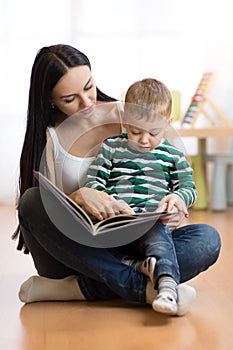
(151, 95)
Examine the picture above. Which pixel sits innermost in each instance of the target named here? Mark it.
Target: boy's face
(143, 140)
(144, 136)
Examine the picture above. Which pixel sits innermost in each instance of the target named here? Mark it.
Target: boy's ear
(170, 120)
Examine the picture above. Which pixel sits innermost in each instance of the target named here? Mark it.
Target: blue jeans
(157, 242)
(100, 272)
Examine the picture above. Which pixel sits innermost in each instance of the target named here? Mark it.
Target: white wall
(172, 40)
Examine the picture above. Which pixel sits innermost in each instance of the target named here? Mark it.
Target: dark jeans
(101, 274)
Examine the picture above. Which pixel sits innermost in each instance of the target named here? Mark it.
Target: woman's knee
(209, 241)
(28, 202)
(213, 240)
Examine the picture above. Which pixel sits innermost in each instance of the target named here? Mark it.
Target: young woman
(62, 85)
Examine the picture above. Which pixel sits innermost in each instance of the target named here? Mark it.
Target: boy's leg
(158, 243)
(167, 298)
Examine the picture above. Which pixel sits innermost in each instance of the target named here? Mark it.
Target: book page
(123, 219)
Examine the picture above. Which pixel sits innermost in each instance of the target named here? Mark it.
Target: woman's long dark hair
(50, 64)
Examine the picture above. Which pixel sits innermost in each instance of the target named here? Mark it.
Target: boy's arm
(99, 171)
(182, 183)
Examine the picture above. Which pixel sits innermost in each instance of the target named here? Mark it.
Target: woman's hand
(99, 203)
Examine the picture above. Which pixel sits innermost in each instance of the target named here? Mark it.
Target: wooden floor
(117, 325)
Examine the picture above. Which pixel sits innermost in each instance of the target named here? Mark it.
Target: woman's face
(75, 91)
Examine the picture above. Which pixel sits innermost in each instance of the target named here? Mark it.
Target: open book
(134, 224)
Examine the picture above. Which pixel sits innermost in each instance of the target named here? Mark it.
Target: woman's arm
(99, 203)
(92, 197)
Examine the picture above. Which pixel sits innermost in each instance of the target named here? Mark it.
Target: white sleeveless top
(70, 170)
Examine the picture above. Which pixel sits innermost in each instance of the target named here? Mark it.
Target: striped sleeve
(99, 171)
(181, 178)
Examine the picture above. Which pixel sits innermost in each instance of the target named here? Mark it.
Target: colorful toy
(199, 101)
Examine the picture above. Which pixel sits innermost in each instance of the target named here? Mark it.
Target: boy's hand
(173, 203)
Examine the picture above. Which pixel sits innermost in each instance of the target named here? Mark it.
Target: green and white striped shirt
(141, 179)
